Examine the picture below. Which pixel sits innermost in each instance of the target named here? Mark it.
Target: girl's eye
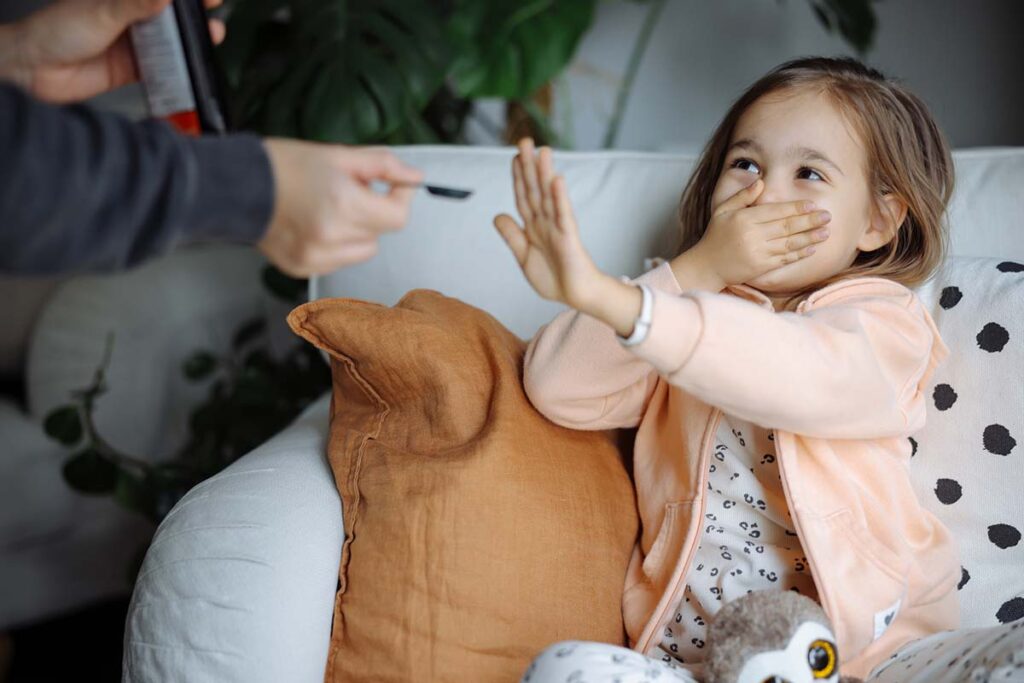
(737, 163)
(812, 171)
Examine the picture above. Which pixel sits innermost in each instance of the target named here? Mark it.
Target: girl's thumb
(741, 198)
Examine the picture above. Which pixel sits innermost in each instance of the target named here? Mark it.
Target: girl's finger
(743, 198)
(563, 207)
(519, 184)
(766, 213)
(546, 176)
(529, 161)
(799, 241)
(514, 236)
(791, 225)
(794, 256)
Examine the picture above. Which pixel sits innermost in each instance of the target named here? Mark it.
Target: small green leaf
(199, 365)
(134, 493)
(89, 472)
(65, 425)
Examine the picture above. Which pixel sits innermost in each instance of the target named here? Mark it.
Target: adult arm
(88, 190)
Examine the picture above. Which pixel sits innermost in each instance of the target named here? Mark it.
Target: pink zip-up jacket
(841, 383)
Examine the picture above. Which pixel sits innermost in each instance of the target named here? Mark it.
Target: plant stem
(88, 396)
(103, 448)
(563, 94)
(639, 47)
(541, 121)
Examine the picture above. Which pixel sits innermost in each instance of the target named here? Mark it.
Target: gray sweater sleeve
(87, 190)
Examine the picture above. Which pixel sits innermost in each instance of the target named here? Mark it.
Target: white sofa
(238, 584)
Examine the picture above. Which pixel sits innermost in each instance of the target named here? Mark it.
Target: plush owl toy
(772, 637)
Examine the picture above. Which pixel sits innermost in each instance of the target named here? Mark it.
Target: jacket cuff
(676, 323)
(660, 278)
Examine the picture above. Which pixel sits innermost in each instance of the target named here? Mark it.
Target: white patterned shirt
(748, 542)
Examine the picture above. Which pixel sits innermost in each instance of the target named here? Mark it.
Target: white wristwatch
(643, 321)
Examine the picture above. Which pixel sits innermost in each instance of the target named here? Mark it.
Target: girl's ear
(887, 215)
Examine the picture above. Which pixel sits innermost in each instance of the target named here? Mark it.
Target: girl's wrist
(613, 302)
(692, 271)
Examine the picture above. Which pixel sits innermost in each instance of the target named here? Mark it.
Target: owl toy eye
(821, 657)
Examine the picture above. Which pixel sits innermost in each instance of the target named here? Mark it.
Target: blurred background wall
(963, 58)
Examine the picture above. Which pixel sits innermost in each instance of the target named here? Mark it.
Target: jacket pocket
(867, 584)
(655, 560)
(886, 560)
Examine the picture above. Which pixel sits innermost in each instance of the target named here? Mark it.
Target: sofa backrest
(626, 205)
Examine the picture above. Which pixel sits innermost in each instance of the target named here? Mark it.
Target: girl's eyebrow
(795, 152)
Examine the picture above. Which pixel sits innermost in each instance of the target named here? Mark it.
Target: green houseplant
(390, 71)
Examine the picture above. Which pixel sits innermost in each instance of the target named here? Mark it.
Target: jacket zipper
(705, 457)
(812, 563)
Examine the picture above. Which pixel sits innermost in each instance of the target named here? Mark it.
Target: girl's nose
(771, 193)
(778, 188)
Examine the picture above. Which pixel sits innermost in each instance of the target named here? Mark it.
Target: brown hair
(906, 155)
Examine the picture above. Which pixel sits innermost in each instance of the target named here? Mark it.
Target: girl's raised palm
(547, 246)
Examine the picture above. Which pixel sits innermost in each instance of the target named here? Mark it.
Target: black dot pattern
(944, 396)
(997, 439)
(965, 576)
(1004, 535)
(948, 491)
(950, 297)
(993, 337)
(968, 465)
(1011, 610)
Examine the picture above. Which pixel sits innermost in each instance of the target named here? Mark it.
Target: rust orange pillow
(476, 531)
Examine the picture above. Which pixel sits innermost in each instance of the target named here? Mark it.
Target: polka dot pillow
(968, 464)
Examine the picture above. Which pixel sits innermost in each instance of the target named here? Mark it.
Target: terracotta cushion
(477, 532)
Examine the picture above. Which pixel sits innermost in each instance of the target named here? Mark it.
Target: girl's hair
(906, 154)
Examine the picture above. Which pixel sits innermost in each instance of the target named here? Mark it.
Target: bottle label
(162, 67)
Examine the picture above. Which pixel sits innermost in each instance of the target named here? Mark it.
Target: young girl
(774, 368)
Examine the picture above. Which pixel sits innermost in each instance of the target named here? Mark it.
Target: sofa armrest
(239, 582)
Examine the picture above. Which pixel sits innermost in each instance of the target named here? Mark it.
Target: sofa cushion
(968, 467)
(477, 532)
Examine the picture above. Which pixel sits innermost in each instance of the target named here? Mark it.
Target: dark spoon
(438, 190)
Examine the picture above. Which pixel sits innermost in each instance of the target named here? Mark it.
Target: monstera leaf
(363, 71)
(509, 48)
(340, 71)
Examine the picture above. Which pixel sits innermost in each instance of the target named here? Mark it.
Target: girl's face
(802, 148)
